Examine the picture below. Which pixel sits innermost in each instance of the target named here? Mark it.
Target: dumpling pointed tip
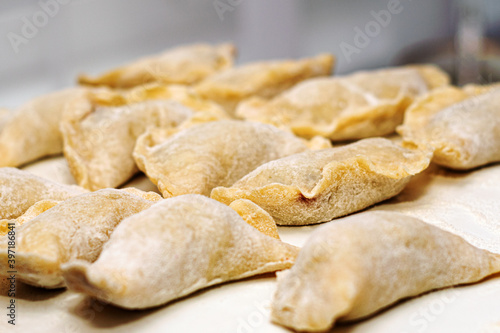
(77, 277)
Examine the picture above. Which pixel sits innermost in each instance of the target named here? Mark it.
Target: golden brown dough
(173, 249)
(185, 64)
(32, 212)
(462, 125)
(356, 106)
(151, 196)
(317, 186)
(100, 130)
(74, 229)
(19, 190)
(256, 217)
(32, 131)
(353, 268)
(265, 79)
(197, 159)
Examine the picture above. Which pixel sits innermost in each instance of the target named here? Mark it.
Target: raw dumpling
(186, 64)
(264, 79)
(256, 217)
(317, 186)
(74, 229)
(173, 249)
(19, 190)
(354, 267)
(197, 159)
(32, 212)
(32, 132)
(461, 125)
(100, 133)
(356, 106)
(44, 205)
(153, 91)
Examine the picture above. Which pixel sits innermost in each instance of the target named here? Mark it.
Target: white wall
(93, 35)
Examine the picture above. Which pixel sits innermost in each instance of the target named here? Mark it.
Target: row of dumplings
(131, 118)
(136, 250)
(258, 138)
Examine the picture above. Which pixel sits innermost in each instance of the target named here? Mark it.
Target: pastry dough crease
(186, 64)
(462, 125)
(356, 106)
(197, 159)
(317, 186)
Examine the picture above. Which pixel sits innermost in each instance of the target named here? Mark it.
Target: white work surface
(465, 203)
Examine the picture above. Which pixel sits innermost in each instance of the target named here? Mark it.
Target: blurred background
(46, 43)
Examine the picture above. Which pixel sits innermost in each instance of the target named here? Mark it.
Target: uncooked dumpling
(356, 106)
(186, 64)
(38, 208)
(461, 125)
(265, 79)
(317, 186)
(256, 217)
(100, 133)
(19, 190)
(197, 159)
(32, 131)
(173, 249)
(353, 268)
(74, 229)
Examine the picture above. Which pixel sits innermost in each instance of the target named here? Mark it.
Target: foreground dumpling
(265, 79)
(356, 106)
(186, 64)
(461, 125)
(74, 229)
(100, 133)
(176, 247)
(197, 159)
(354, 267)
(19, 190)
(317, 186)
(32, 131)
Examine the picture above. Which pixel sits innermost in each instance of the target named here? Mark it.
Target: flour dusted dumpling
(317, 186)
(74, 229)
(265, 79)
(32, 131)
(185, 64)
(100, 131)
(461, 125)
(19, 190)
(197, 159)
(355, 267)
(173, 249)
(154, 91)
(356, 106)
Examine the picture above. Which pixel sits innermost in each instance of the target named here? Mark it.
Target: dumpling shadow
(100, 314)
(418, 185)
(32, 294)
(104, 315)
(346, 327)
